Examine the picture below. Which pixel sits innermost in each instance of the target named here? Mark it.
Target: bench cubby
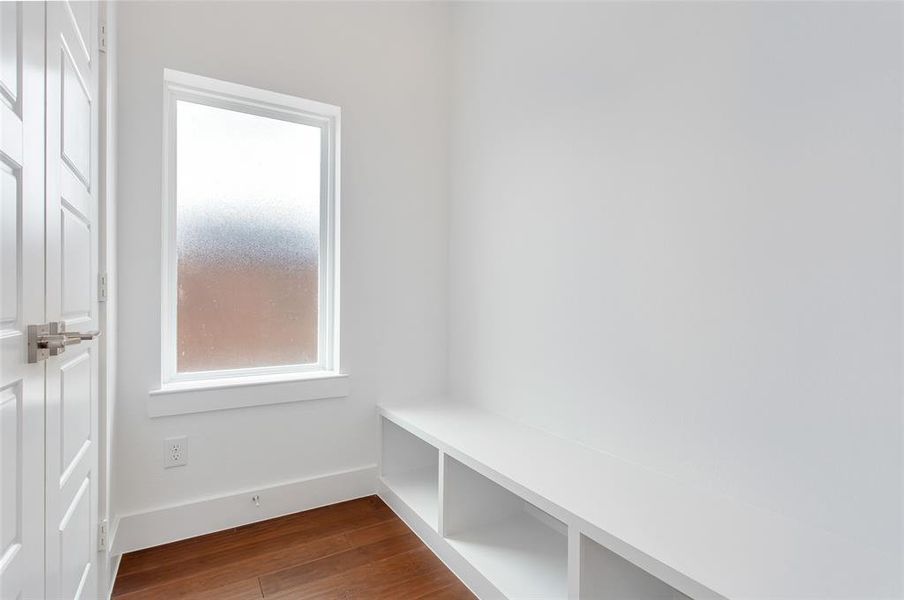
(521, 549)
(605, 575)
(410, 468)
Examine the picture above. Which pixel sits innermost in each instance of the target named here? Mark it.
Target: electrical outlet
(175, 452)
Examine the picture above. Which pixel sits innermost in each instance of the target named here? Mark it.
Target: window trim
(232, 96)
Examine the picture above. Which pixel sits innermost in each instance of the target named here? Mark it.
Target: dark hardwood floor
(356, 549)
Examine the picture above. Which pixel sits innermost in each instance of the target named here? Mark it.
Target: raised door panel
(76, 264)
(75, 562)
(82, 16)
(11, 493)
(10, 244)
(75, 414)
(10, 54)
(76, 118)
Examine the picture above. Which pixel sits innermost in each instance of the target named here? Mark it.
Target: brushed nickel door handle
(51, 339)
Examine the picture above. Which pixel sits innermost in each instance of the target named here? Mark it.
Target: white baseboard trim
(111, 535)
(470, 576)
(113, 571)
(173, 523)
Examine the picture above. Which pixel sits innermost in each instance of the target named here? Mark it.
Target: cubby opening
(519, 548)
(604, 575)
(410, 469)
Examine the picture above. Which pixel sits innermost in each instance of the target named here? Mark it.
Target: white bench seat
(701, 544)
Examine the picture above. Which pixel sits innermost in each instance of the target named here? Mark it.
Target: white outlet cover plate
(175, 451)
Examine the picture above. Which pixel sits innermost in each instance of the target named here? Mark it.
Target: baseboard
(108, 566)
(173, 523)
(471, 577)
(113, 571)
(111, 534)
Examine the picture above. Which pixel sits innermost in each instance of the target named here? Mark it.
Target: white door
(71, 297)
(48, 273)
(21, 299)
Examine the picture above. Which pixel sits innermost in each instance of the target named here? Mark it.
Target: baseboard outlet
(471, 577)
(173, 523)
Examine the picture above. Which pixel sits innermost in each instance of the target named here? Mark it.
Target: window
(250, 230)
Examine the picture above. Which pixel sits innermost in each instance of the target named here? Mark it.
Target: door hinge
(102, 535)
(102, 37)
(102, 287)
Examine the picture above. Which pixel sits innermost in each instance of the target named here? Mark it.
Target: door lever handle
(51, 339)
(82, 336)
(66, 338)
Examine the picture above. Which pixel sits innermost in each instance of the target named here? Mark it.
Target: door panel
(83, 15)
(75, 548)
(21, 299)
(75, 263)
(71, 275)
(75, 409)
(10, 34)
(10, 458)
(10, 208)
(11, 493)
(76, 127)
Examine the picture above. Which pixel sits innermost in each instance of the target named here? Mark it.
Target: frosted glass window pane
(248, 239)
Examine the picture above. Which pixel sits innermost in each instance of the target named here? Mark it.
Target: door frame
(107, 307)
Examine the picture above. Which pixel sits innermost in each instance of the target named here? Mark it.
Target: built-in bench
(520, 513)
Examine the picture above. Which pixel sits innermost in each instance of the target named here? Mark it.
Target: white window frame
(233, 96)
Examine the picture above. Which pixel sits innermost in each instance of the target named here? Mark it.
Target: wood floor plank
(426, 574)
(336, 518)
(179, 583)
(399, 576)
(374, 533)
(150, 557)
(322, 533)
(337, 563)
(299, 548)
(248, 589)
(234, 565)
(355, 550)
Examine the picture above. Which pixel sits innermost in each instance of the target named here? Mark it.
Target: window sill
(187, 397)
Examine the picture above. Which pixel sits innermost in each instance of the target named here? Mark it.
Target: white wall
(386, 66)
(676, 236)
